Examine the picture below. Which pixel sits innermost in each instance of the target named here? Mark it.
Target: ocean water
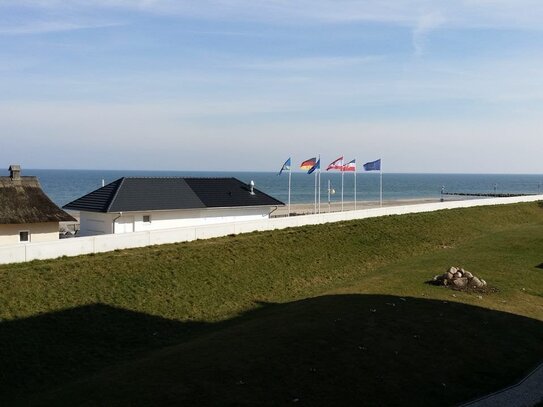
(63, 186)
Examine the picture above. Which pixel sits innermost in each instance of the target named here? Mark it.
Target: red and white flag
(336, 165)
(350, 166)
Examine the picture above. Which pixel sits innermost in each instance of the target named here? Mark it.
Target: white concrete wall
(39, 232)
(93, 224)
(67, 247)
(104, 243)
(12, 254)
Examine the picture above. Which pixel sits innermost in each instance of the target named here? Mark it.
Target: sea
(63, 186)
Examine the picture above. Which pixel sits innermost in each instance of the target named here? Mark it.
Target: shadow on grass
(539, 266)
(344, 349)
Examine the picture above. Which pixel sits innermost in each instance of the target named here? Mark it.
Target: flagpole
(315, 208)
(329, 201)
(319, 176)
(355, 188)
(381, 184)
(342, 172)
(289, 178)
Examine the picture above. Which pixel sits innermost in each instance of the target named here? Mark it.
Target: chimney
(15, 172)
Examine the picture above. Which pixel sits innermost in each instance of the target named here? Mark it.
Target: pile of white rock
(459, 278)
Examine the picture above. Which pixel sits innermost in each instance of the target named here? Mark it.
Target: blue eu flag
(373, 166)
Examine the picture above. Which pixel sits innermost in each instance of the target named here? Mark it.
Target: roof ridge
(116, 192)
(194, 192)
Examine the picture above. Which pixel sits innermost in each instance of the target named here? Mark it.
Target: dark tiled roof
(148, 194)
(97, 201)
(226, 192)
(23, 201)
(136, 194)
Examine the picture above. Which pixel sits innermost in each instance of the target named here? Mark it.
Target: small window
(146, 218)
(24, 236)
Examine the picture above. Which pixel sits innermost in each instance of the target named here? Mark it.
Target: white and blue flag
(285, 167)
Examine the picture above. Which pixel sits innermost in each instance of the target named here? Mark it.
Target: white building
(133, 204)
(26, 213)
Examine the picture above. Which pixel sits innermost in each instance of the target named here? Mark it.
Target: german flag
(308, 164)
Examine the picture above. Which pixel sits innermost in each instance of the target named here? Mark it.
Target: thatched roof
(23, 201)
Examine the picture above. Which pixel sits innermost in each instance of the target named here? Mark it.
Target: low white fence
(105, 243)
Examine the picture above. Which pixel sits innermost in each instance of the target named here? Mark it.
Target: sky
(426, 85)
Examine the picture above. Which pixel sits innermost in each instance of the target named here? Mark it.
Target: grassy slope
(210, 281)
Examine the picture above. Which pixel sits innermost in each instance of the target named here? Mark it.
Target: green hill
(336, 313)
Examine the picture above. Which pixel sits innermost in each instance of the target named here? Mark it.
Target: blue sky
(429, 86)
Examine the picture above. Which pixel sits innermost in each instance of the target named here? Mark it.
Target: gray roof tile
(130, 194)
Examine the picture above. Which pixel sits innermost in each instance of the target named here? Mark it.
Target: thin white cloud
(296, 85)
(526, 14)
(427, 23)
(310, 63)
(43, 27)
(223, 33)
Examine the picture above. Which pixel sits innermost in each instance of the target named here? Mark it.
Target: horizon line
(275, 172)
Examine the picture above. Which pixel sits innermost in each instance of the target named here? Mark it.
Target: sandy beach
(309, 208)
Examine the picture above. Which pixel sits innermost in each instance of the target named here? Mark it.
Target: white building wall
(39, 232)
(92, 223)
(197, 217)
(102, 223)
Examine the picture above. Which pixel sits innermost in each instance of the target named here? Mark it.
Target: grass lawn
(328, 314)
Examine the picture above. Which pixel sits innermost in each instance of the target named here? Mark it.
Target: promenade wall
(105, 243)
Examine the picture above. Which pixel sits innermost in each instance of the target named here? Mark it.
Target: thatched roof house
(26, 213)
